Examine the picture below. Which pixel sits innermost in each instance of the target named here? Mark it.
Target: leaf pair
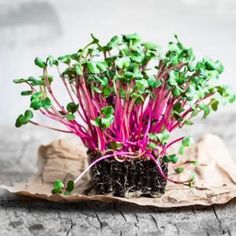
(38, 100)
(162, 137)
(24, 118)
(34, 81)
(59, 187)
(71, 109)
(106, 118)
(40, 63)
(170, 158)
(96, 67)
(186, 142)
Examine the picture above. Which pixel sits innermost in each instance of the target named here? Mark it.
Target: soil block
(130, 178)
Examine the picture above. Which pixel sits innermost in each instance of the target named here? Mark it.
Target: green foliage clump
(127, 95)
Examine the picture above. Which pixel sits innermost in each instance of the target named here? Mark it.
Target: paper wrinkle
(215, 176)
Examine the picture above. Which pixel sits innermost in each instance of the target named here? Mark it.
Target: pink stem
(65, 84)
(162, 173)
(98, 160)
(48, 127)
(173, 142)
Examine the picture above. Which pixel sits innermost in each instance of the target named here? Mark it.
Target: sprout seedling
(59, 187)
(126, 97)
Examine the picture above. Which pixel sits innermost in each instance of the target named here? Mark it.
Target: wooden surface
(24, 216)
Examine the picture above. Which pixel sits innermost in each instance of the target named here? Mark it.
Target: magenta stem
(98, 160)
(48, 127)
(162, 173)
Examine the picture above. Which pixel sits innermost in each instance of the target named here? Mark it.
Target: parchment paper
(215, 176)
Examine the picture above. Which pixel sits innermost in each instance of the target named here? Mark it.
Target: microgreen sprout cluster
(126, 97)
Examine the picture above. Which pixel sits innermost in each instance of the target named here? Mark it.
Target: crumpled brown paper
(215, 176)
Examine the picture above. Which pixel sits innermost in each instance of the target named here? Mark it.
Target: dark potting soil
(133, 177)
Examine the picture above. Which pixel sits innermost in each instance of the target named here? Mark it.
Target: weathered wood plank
(106, 219)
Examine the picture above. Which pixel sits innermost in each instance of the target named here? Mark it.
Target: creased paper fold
(215, 176)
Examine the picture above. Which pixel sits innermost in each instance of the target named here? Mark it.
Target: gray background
(40, 28)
